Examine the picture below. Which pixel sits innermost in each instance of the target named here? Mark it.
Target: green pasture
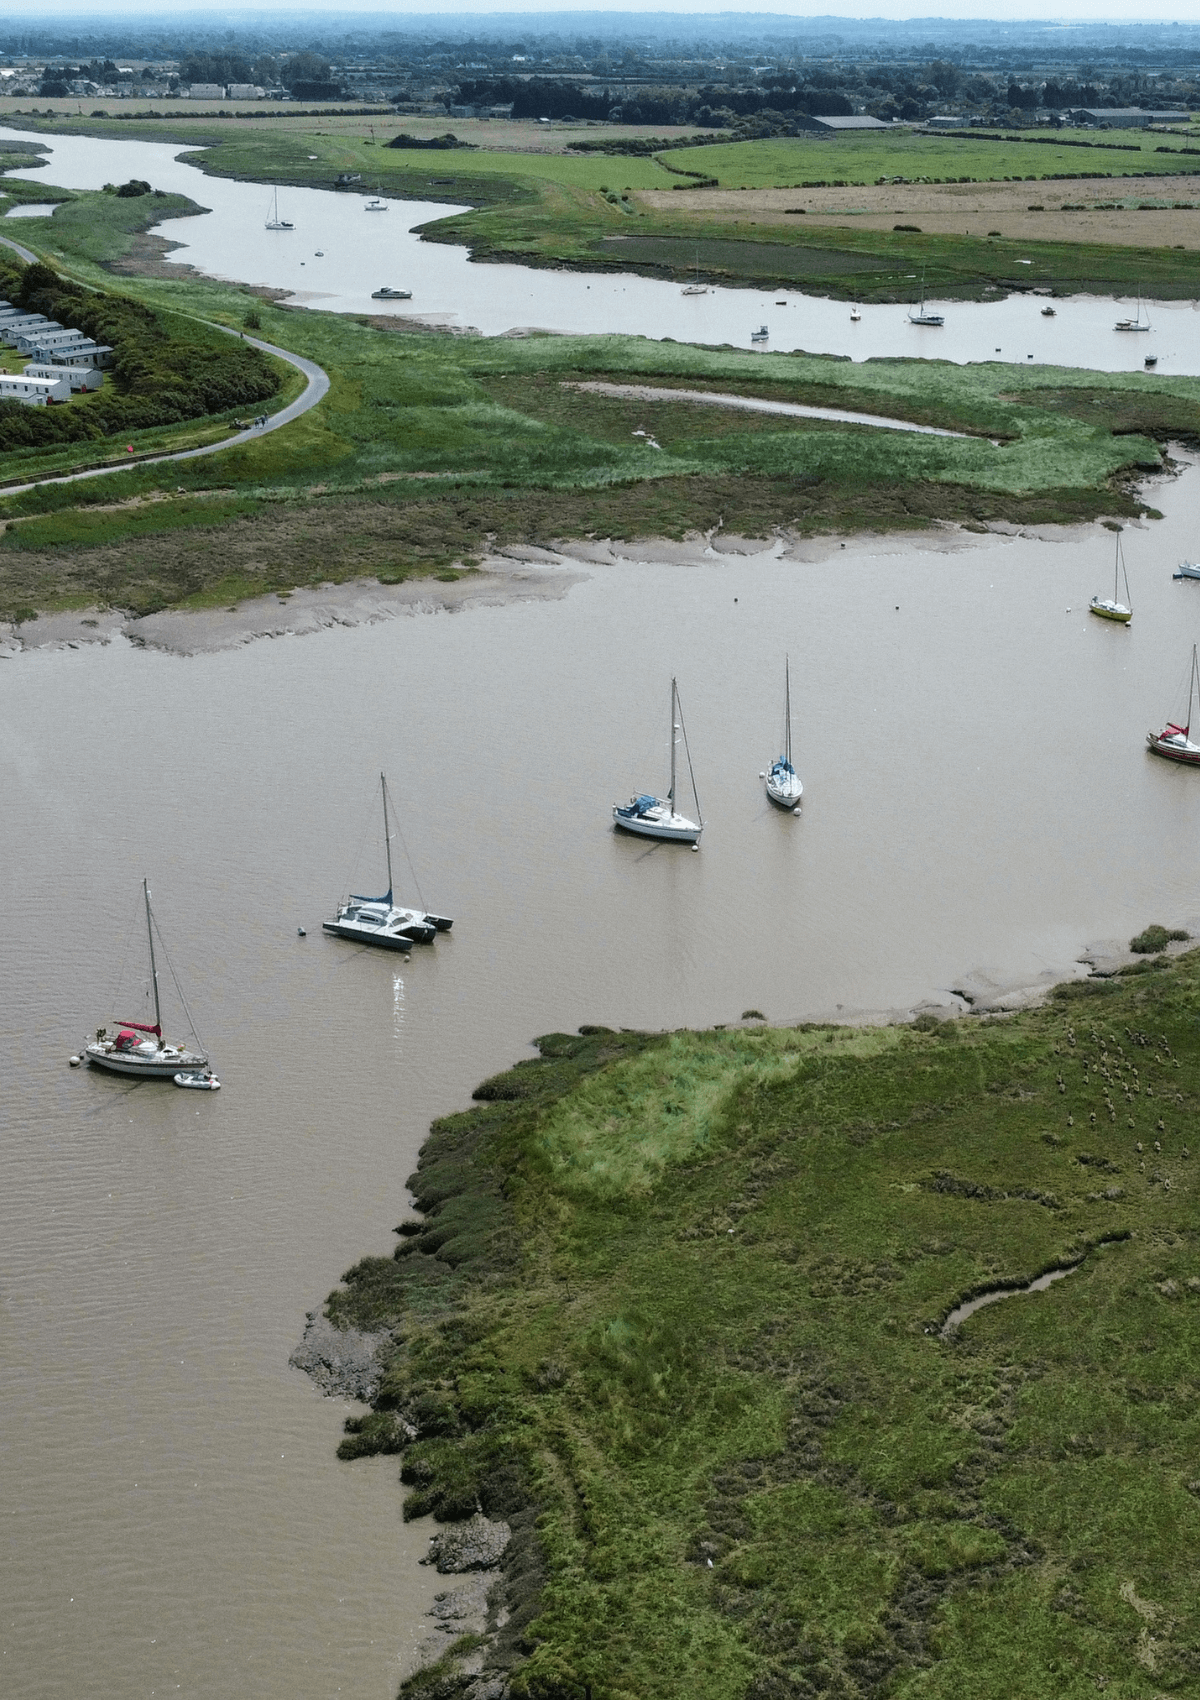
(672, 1307)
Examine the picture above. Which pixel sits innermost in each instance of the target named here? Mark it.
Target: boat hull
(1187, 570)
(1187, 754)
(786, 795)
(143, 1068)
(373, 935)
(675, 829)
(1109, 611)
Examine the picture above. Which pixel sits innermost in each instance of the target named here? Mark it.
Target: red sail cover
(140, 1027)
(1171, 727)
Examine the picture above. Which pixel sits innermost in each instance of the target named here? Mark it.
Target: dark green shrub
(1155, 938)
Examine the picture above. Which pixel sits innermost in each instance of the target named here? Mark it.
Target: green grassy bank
(673, 1310)
(554, 208)
(430, 449)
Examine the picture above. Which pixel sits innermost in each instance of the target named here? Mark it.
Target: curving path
(755, 404)
(316, 387)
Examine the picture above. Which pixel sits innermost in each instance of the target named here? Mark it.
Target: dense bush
(160, 375)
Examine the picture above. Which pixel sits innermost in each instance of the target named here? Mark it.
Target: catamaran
(274, 222)
(656, 817)
(1174, 741)
(783, 783)
(379, 920)
(137, 1047)
(921, 317)
(1110, 607)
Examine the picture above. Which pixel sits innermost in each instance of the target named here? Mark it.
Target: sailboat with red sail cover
(1175, 742)
(138, 1047)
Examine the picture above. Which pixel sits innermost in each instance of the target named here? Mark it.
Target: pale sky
(188, 11)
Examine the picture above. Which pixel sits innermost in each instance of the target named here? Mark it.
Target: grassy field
(547, 207)
(673, 1309)
(430, 449)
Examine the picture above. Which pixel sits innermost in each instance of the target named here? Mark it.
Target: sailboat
(375, 204)
(274, 222)
(138, 1048)
(655, 817)
(695, 287)
(1137, 323)
(378, 920)
(783, 783)
(921, 317)
(1173, 741)
(1111, 608)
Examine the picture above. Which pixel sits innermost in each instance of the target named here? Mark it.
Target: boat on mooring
(656, 817)
(376, 205)
(1174, 741)
(922, 316)
(1111, 607)
(1137, 323)
(137, 1047)
(783, 783)
(1187, 569)
(274, 222)
(380, 920)
(386, 294)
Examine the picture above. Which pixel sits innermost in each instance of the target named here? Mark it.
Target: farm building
(34, 392)
(1126, 117)
(79, 377)
(836, 126)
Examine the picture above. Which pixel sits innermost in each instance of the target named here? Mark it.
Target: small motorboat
(319, 254)
(762, 334)
(1187, 569)
(196, 1081)
(855, 315)
(1049, 313)
(1174, 741)
(1150, 360)
(391, 294)
(376, 205)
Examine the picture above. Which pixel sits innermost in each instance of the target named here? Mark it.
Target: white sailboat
(1174, 741)
(274, 222)
(656, 817)
(783, 783)
(379, 920)
(921, 317)
(695, 287)
(1111, 607)
(136, 1047)
(1137, 323)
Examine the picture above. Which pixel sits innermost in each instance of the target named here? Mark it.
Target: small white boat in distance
(1135, 324)
(386, 294)
(1174, 742)
(198, 1081)
(762, 334)
(656, 817)
(694, 289)
(376, 205)
(921, 317)
(1049, 313)
(855, 315)
(380, 921)
(783, 783)
(137, 1048)
(274, 222)
(1110, 607)
(1187, 569)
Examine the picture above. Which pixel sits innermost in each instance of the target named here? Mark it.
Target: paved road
(315, 388)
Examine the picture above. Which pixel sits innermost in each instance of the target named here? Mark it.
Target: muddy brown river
(977, 795)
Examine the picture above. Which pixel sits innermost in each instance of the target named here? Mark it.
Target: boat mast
(387, 843)
(787, 706)
(153, 964)
(671, 792)
(1191, 692)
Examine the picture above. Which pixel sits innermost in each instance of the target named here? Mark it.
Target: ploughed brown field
(971, 209)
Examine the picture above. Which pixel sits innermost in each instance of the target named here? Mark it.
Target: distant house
(78, 377)
(206, 91)
(34, 392)
(14, 326)
(245, 91)
(43, 336)
(1125, 117)
(836, 126)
